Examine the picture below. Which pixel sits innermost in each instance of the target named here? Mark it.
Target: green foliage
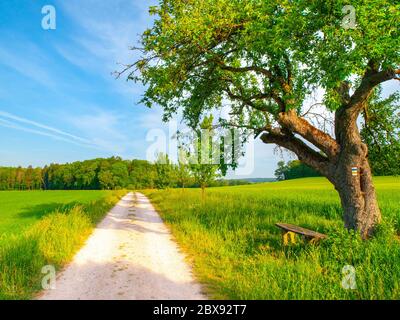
(106, 174)
(202, 154)
(164, 170)
(280, 171)
(237, 250)
(53, 240)
(204, 174)
(201, 55)
(183, 174)
(293, 170)
(20, 178)
(381, 132)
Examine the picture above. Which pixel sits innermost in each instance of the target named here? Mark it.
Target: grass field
(237, 251)
(19, 210)
(44, 228)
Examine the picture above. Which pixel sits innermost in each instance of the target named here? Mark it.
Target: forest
(108, 174)
(112, 173)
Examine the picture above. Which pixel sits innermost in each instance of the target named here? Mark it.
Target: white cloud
(104, 128)
(13, 125)
(43, 126)
(108, 29)
(105, 32)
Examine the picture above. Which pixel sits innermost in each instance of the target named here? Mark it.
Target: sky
(59, 101)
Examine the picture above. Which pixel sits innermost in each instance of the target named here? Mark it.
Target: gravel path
(130, 255)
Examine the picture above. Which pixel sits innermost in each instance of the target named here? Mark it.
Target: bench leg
(289, 236)
(313, 241)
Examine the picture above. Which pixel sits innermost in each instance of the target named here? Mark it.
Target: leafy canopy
(260, 57)
(381, 132)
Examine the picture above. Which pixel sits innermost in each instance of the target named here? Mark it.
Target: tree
(142, 174)
(93, 174)
(164, 171)
(280, 171)
(183, 175)
(106, 180)
(19, 177)
(293, 170)
(264, 59)
(381, 132)
(121, 175)
(29, 178)
(204, 157)
(204, 175)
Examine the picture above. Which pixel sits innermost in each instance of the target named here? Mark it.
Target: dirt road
(130, 255)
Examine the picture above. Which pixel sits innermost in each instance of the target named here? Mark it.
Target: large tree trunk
(357, 194)
(340, 156)
(355, 188)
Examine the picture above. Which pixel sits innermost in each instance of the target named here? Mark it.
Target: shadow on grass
(60, 231)
(41, 210)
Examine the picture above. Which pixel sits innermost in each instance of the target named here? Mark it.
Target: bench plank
(299, 230)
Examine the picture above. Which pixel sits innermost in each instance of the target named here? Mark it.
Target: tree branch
(370, 80)
(285, 86)
(256, 69)
(320, 139)
(248, 101)
(303, 152)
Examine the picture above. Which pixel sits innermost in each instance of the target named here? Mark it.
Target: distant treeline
(105, 174)
(293, 170)
(112, 173)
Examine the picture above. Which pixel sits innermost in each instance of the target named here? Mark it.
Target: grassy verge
(238, 253)
(20, 209)
(52, 240)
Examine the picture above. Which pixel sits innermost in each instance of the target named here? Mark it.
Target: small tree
(202, 153)
(204, 174)
(183, 174)
(280, 171)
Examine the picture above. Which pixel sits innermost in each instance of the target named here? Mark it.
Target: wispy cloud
(105, 129)
(34, 70)
(42, 126)
(11, 121)
(105, 32)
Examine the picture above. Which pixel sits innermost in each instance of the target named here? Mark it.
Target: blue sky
(62, 79)
(58, 99)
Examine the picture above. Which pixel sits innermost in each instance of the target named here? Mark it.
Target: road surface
(130, 255)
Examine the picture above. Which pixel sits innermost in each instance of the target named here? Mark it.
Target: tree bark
(356, 190)
(358, 197)
(203, 193)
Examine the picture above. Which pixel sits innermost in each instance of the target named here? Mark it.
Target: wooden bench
(289, 231)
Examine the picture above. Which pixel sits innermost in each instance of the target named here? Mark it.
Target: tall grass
(21, 209)
(53, 240)
(237, 251)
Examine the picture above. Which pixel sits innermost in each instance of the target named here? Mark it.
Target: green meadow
(19, 210)
(236, 250)
(39, 228)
